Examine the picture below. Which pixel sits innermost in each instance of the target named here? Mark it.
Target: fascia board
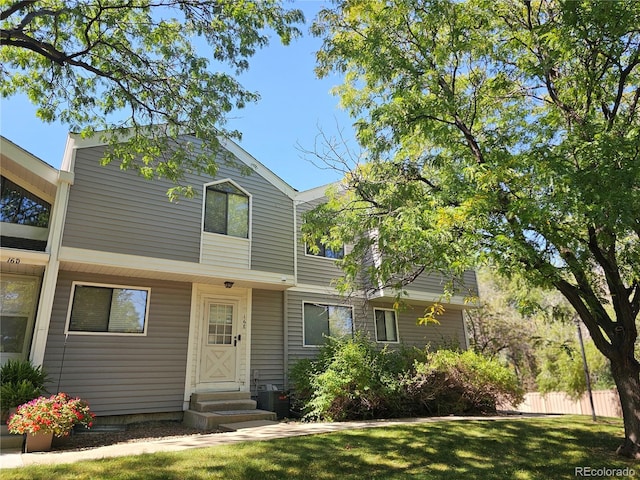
(28, 161)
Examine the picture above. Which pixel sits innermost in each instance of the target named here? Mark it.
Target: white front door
(219, 348)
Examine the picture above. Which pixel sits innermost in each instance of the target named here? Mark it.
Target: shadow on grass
(519, 449)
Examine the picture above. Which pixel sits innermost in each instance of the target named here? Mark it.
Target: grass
(520, 448)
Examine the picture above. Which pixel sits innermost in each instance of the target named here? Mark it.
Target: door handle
(236, 339)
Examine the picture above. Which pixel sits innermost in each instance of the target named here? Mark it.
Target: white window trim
(311, 255)
(204, 204)
(325, 304)
(109, 334)
(375, 324)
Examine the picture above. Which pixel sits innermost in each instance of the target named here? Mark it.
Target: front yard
(518, 448)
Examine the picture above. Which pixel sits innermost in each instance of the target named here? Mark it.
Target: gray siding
(314, 270)
(118, 211)
(267, 339)
(321, 271)
(295, 300)
(123, 374)
(450, 332)
(434, 282)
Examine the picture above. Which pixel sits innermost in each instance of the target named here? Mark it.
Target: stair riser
(213, 396)
(223, 405)
(210, 421)
(10, 441)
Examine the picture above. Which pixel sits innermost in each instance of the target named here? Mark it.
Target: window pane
(340, 321)
(17, 304)
(128, 310)
(325, 251)
(90, 310)
(215, 212)
(13, 331)
(386, 326)
(316, 324)
(238, 222)
(329, 253)
(220, 324)
(107, 309)
(20, 206)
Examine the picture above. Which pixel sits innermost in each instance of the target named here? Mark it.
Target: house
(135, 303)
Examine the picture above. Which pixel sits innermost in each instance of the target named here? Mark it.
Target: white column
(50, 279)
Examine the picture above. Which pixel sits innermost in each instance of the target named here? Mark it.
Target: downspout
(50, 277)
(285, 312)
(285, 297)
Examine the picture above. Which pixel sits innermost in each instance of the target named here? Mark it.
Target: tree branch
(16, 7)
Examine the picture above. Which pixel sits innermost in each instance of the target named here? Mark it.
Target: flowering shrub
(57, 413)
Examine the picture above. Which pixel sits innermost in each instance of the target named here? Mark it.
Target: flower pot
(39, 442)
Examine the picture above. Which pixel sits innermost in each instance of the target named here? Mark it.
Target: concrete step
(211, 396)
(9, 441)
(234, 427)
(213, 420)
(223, 405)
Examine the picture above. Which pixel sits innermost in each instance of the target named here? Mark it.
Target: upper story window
(20, 206)
(226, 210)
(321, 250)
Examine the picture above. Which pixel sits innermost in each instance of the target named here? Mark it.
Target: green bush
(20, 382)
(452, 382)
(354, 379)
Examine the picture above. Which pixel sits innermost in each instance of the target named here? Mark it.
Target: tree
(134, 70)
(506, 322)
(534, 332)
(503, 131)
(561, 366)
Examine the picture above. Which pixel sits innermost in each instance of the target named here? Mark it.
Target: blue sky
(294, 106)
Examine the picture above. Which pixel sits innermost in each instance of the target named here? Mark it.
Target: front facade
(135, 303)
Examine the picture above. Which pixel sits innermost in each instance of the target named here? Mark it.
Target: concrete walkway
(13, 459)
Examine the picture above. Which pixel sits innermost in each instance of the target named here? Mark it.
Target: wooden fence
(606, 403)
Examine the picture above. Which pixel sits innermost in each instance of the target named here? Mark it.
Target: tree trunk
(627, 377)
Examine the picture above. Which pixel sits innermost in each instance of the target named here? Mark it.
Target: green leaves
(494, 131)
(119, 66)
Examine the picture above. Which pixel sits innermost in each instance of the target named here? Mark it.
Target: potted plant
(43, 417)
(20, 381)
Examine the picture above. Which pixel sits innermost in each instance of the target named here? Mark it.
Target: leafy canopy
(124, 66)
(499, 131)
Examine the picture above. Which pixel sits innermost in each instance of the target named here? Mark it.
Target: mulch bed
(134, 432)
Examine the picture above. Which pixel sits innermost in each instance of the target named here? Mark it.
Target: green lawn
(520, 448)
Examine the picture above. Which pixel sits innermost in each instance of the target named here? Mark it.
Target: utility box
(274, 401)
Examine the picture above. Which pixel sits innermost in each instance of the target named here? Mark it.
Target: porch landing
(227, 411)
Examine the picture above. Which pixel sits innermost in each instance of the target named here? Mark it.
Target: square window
(386, 325)
(108, 309)
(322, 321)
(325, 251)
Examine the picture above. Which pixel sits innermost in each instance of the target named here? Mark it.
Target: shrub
(461, 383)
(350, 378)
(20, 381)
(353, 379)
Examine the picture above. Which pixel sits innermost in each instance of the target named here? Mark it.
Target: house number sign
(13, 260)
